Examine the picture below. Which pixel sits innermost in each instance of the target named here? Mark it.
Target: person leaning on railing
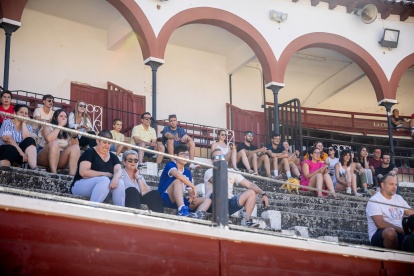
(315, 173)
(98, 173)
(6, 97)
(81, 121)
(136, 189)
(17, 144)
(56, 148)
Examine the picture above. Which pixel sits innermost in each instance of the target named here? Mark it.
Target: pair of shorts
(147, 153)
(39, 149)
(166, 201)
(112, 148)
(234, 205)
(378, 241)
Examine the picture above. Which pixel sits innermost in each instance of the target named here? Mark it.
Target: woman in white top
(232, 156)
(332, 162)
(80, 120)
(292, 159)
(344, 173)
(362, 168)
(56, 148)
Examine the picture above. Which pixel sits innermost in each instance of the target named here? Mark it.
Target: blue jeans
(234, 205)
(147, 154)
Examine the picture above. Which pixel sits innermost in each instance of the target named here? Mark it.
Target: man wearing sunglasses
(247, 199)
(174, 180)
(256, 156)
(278, 155)
(144, 136)
(45, 113)
(173, 135)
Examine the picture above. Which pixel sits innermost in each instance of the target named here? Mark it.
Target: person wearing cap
(173, 135)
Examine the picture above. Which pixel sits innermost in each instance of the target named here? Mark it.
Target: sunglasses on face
(330, 149)
(250, 134)
(223, 134)
(82, 105)
(218, 157)
(184, 154)
(132, 160)
(378, 151)
(50, 101)
(146, 118)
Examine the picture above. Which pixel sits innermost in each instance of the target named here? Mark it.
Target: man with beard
(256, 157)
(276, 151)
(386, 168)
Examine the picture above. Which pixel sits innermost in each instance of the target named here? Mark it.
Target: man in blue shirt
(276, 151)
(175, 178)
(172, 136)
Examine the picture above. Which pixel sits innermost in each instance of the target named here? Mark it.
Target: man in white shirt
(236, 203)
(385, 221)
(45, 113)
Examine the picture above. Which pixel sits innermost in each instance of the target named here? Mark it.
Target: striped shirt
(128, 182)
(8, 128)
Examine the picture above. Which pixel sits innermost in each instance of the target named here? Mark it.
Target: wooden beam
(315, 2)
(351, 6)
(404, 16)
(386, 13)
(333, 4)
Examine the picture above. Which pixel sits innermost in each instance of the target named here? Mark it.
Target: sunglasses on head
(218, 157)
(172, 116)
(132, 160)
(82, 105)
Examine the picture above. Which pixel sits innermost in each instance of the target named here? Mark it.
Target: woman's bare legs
(231, 158)
(294, 170)
(69, 156)
(316, 181)
(49, 156)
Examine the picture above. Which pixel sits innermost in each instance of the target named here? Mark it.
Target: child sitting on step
(118, 136)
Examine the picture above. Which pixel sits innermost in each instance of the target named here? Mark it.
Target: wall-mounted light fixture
(278, 16)
(390, 38)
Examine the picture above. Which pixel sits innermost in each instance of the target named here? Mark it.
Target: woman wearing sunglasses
(99, 172)
(232, 156)
(137, 191)
(56, 148)
(81, 121)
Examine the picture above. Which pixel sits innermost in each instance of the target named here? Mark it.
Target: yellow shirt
(118, 136)
(321, 158)
(143, 134)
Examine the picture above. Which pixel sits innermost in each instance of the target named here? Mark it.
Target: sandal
(322, 197)
(335, 197)
(39, 169)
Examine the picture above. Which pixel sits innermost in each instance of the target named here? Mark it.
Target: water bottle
(244, 219)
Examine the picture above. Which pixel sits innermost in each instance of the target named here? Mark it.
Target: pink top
(312, 167)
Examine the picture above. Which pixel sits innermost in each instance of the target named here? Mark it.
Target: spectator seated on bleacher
(98, 173)
(174, 180)
(344, 173)
(137, 191)
(361, 179)
(236, 202)
(332, 160)
(374, 163)
(387, 168)
(277, 152)
(231, 155)
(362, 170)
(173, 135)
(408, 227)
(257, 157)
(385, 221)
(44, 113)
(144, 136)
(56, 148)
(323, 155)
(81, 121)
(398, 122)
(6, 97)
(292, 160)
(315, 173)
(118, 136)
(17, 144)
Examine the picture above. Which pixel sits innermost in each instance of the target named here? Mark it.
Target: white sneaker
(194, 166)
(366, 191)
(358, 195)
(348, 190)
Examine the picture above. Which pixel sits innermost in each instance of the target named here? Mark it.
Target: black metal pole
(8, 29)
(231, 91)
(264, 106)
(154, 67)
(275, 89)
(388, 106)
(220, 194)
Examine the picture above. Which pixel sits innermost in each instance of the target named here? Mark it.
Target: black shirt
(97, 164)
(397, 120)
(384, 171)
(278, 149)
(245, 147)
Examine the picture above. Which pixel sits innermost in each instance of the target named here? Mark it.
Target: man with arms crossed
(236, 203)
(276, 151)
(172, 136)
(144, 136)
(256, 156)
(175, 178)
(385, 221)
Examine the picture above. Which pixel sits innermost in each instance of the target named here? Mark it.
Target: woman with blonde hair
(231, 155)
(81, 121)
